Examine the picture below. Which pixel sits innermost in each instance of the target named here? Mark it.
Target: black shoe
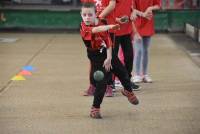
(135, 87)
(113, 87)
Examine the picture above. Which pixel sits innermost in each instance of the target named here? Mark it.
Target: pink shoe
(109, 91)
(131, 97)
(95, 113)
(90, 91)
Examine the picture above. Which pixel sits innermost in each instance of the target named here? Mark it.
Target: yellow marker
(18, 77)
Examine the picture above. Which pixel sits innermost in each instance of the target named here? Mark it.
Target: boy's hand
(107, 64)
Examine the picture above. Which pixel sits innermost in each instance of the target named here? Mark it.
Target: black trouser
(118, 69)
(127, 48)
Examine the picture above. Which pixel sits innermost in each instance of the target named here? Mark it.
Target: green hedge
(165, 20)
(41, 19)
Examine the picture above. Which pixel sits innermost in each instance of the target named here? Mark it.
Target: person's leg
(127, 49)
(121, 55)
(137, 44)
(91, 89)
(145, 45)
(121, 58)
(121, 72)
(115, 52)
(116, 45)
(110, 85)
(99, 92)
(145, 59)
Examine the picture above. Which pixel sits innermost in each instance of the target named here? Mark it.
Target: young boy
(104, 11)
(99, 51)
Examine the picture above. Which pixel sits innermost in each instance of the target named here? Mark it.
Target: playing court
(49, 100)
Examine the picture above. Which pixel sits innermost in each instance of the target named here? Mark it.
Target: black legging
(127, 48)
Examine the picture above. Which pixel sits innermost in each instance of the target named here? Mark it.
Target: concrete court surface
(50, 101)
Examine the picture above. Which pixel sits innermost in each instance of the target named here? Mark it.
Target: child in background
(99, 51)
(145, 29)
(123, 37)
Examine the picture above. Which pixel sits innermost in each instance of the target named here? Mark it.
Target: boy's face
(88, 15)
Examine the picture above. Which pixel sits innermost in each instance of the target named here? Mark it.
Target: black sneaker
(135, 87)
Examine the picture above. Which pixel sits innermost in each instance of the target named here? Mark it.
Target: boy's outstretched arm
(104, 28)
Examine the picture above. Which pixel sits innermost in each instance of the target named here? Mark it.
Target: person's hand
(115, 27)
(107, 64)
(137, 37)
(133, 15)
(123, 19)
(148, 14)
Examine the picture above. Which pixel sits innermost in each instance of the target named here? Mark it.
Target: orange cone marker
(24, 73)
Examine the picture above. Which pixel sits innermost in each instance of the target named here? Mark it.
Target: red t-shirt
(123, 7)
(144, 26)
(96, 40)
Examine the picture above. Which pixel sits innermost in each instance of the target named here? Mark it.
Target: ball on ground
(98, 75)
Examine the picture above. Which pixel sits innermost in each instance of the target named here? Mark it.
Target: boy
(99, 51)
(104, 11)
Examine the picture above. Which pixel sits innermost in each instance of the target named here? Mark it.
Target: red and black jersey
(94, 41)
